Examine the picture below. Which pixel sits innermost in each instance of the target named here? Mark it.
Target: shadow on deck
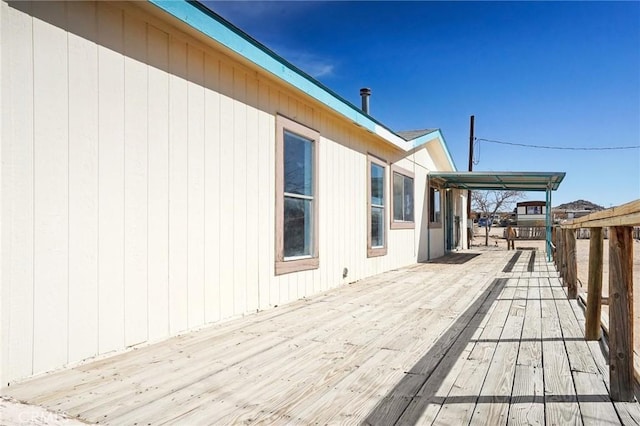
(454, 258)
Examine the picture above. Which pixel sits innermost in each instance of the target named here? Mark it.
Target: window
(296, 197)
(376, 234)
(534, 209)
(434, 207)
(402, 199)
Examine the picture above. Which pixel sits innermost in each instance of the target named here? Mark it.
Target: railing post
(572, 265)
(621, 313)
(561, 256)
(559, 249)
(594, 288)
(554, 232)
(565, 256)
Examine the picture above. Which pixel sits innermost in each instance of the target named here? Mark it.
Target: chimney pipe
(365, 92)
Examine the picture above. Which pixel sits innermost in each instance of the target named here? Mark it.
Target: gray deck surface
(480, 337)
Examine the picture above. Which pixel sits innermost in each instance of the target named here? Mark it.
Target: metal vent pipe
(365, 92)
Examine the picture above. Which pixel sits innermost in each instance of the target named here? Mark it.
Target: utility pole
(469, 220)
(471, 137)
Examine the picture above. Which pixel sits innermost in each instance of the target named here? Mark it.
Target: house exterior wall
(138, 186)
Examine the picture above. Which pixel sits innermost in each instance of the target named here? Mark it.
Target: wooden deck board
(442, 343)
(561, 406)
(527, 399)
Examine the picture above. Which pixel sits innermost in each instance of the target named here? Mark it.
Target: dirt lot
(582, 249)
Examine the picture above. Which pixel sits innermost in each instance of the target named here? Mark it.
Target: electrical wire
(568, 148)
(476, 154)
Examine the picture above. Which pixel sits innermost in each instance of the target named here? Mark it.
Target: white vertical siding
(212, 182)
(275, 293)
(138, 187)
(252, 190)
(266, 194)
(237, 179)
(51, 184)
(135, 181)
(83, 183)
(225, 206)
(110, 179)
(178, 188)
(17, 178)
(195, 189)
(158, 189)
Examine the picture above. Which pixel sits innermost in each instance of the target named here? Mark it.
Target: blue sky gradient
(563, 74)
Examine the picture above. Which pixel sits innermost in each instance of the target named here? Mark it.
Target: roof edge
(209, 23)
(524, 181)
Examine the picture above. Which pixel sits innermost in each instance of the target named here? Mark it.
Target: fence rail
(585, 233)
(618, 223)
(539, 233)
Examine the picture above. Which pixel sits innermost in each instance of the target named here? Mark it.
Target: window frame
(282, 265)
(432, 189)
(377, 251)
(402, 224)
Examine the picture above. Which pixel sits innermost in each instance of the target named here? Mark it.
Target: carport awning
(513, 181)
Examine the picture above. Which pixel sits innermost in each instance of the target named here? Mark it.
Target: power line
(568, 148)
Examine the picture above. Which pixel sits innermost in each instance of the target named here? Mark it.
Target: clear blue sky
(564, 74)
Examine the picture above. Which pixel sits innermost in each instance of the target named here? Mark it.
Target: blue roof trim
(445, 146)
(429, 137)
(209, 23)
(231, 37)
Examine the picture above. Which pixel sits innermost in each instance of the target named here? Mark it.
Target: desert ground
(582, 250)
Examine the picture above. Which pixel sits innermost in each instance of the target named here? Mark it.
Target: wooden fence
(585, 233)
(540, 233)
(528, 232)
(620, 222)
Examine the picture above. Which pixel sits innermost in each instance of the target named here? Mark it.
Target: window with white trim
(296, 197)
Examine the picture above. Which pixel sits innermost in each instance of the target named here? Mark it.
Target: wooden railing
(620, 221)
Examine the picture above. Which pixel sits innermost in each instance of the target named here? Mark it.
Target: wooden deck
(482, 337)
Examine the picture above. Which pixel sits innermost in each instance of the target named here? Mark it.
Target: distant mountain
(580, 205)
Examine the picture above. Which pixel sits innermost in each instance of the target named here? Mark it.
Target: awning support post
(548, 221)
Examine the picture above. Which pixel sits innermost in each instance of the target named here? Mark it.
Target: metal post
(471, 137)
(548, 221)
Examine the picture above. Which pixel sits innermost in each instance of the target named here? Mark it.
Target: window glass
(298, 227)
(298, 173)
(377, 185)
(377, 227)
(298, 195)
(534, 209)
(408, 199)
(398, 189)
(434, 204)
(402, 197)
